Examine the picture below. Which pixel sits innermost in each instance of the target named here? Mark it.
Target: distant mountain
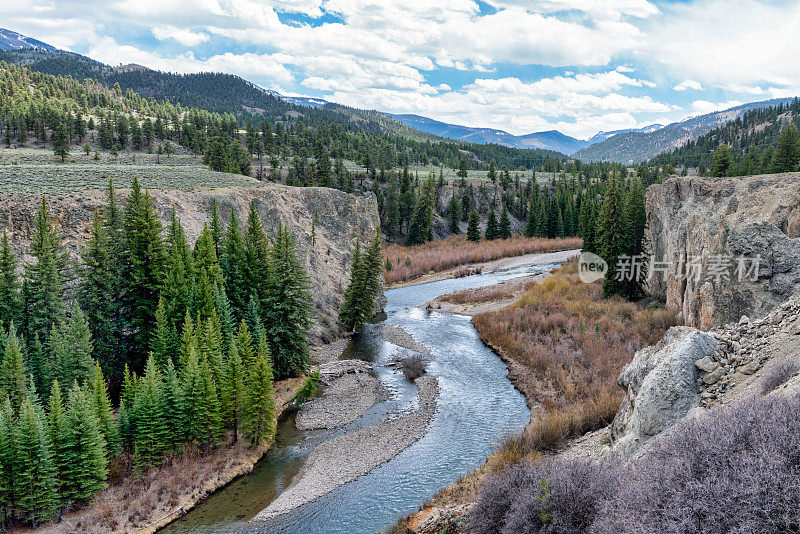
(599, 137)
(550, 140)
(636, 146)
(298, 100)
(16, 41)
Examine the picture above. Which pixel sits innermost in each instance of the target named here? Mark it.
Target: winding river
(476, 405)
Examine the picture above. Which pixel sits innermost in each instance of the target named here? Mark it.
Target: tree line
(188, 339)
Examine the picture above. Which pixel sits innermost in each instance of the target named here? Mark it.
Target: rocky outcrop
(324, 222)
(736, 218)
(661, 386)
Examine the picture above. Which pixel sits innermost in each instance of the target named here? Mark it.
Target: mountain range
(232, 94)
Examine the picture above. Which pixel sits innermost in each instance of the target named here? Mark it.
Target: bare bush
(778, 374)
(413, 367)
(736, 470)
(544, 496)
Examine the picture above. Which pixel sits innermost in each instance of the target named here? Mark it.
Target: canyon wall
(324, 222)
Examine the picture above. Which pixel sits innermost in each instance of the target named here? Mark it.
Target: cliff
(722, 222)
(324, 222)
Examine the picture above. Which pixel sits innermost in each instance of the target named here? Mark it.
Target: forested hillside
(747, 145)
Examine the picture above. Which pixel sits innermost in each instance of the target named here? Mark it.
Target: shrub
(735, 470)
(308, 389)
(544, 496)
(413, 367)
(778, 374)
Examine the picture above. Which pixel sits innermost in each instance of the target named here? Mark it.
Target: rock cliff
(324, 222)
(720, 222)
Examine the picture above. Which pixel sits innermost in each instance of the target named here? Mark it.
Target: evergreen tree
(13, 373)
(61, 141)
(232, 392)
(504, 231)
(98, 293)
(287, 313)
(70, 347)
(84, 450)
(454, 212)
(473, 229)
(635, 221)
(722, 161)
(257, 255)
(610, 238)
(9, 285)
(351, 313)
(420, 229)
(234, 267)
(45, 277)
(492, 231)
(530, 224)
(258, 409)
(8, 461)
(57, 431)
(146, 264)
(151, 432)
(34, 483)
(174, 409)
(787, 153)
(97, 393)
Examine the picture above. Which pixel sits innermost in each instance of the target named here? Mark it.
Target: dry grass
(566, 347)
(438, 256)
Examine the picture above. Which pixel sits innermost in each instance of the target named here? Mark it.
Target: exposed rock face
(661, 386)
(324, 222)
(692, 217)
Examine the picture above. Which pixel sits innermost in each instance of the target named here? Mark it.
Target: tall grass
(568, 346)
(409, 263)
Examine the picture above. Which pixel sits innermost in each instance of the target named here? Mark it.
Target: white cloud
(701, 107)
(184, 37)
(688, 84)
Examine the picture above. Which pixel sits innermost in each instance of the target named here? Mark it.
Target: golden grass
(567, 346)
(438, 256)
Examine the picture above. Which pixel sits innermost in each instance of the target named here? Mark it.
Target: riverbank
(365, 449)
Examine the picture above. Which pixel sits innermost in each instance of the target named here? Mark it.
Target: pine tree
(7, 461)
(178, 289)
(504, 231)
(257, 254)
(454, 212)
(126, 416)
(287, 313)
(420, 229)
(97, 392)
(57, 431)
(71, 347)
(98, 293)
(13, 373)
(44, 277)
(174, 410)
(61, 141)
(232, 392)
(722, 161)
(350, 315)
(473, 229)
(84, 450)
(146, 264)
(151, 432)
(787, 153)
(234, 267)
(492, 232)
(530, 225)
(9, 285)
(634, 220)
(258, 409)
(34, 483)
(611, 231)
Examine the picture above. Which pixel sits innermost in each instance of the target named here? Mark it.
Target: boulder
(661, 386)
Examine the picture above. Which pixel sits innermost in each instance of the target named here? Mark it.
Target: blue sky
(579, 66)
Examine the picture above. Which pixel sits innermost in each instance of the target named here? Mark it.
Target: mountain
(599, 137)
(16, 41)
(752, 139)
(550, 140)
(638, 146)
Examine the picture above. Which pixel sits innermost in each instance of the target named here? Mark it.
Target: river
(476, 405)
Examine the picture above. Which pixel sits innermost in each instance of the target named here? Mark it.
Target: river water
(476, 405)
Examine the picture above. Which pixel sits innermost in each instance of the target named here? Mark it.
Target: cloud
(701, 107)
(688, 84)
(184, 37)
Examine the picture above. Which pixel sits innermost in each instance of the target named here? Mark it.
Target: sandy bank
(325, 469)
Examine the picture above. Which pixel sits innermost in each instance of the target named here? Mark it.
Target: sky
(577, 66)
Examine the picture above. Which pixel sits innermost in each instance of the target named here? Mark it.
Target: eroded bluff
(731, 223)
(324, 222)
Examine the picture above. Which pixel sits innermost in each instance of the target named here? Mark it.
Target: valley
(226, 306)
